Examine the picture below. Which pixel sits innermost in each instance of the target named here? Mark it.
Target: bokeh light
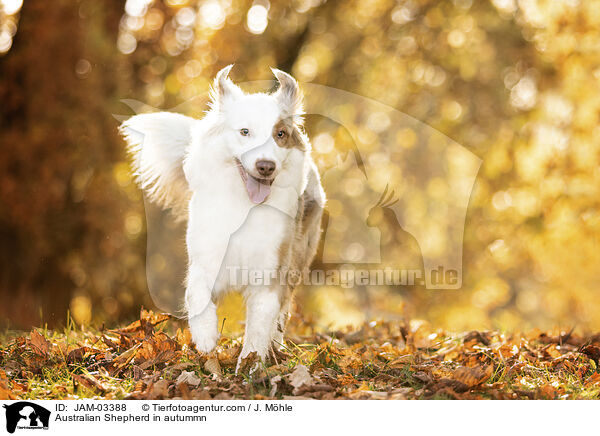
(257, 19)
(11, 7)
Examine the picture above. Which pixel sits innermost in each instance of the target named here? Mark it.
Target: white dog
(245, 179)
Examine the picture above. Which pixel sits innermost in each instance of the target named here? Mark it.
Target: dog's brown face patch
(287, 135)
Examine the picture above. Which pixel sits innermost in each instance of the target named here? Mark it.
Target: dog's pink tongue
(257, 190)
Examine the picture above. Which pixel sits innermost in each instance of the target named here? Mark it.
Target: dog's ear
(289, 96)
(224, 89)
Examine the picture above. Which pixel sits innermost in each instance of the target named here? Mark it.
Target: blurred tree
(62, 231)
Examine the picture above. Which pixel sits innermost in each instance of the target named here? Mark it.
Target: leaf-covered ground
(152, 359)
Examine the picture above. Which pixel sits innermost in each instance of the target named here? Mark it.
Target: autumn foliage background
(515, 82)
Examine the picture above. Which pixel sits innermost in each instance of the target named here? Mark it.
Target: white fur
(157, 143)
(190, 164)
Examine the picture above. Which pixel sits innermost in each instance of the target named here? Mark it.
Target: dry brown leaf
(200, 394)
(350, 363)
(158, 390)
(147, 318)
(593, 380)
(368, 395)
(547, 392)
(184, 392)
(89, 381)
(248, 363)
(228, 356)
(423, 377)
(473, 376)
(593, 352)
(125, 357)
(39, 343)
(312, 389)
(11, 367)
(273, 381)
(212, 366)
(188, 377)
(112, 345)
(78, 354)
(183, 337)
(300, 377)
(162, 357)
(5, 392)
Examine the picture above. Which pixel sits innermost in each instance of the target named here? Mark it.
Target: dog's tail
(158, 143)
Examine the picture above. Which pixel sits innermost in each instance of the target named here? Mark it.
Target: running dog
(244, 179)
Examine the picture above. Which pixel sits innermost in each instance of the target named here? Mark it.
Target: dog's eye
(281, 134)
(244, 132)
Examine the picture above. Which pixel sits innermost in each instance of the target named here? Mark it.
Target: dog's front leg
(262, 308)
(201, 310)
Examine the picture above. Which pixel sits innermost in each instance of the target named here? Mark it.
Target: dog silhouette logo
(26, 415)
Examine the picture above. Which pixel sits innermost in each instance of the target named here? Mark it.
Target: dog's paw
(204, 337)
(205, 344)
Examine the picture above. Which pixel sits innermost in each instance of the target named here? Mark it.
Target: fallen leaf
(12, 367)
(273, 381)
(248, 363)
(5, 392)
(482, 337)
(89, 381)
(228, 356)
(126, 357)
(423, 377)
(78, 354)
(40, 344)
(472, 376)
(350, 363)
(305, 389)
(212, 366)
(158, 390)
(300, 377)
(183, 337)
(188, 377)
(368, 395)
(593, 352)
(593, 380)
(147, 318)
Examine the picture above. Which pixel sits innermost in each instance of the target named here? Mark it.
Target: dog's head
(261, 130)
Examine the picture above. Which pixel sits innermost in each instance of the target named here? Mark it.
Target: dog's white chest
(228, 234)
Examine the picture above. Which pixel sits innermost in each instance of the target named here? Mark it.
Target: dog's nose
(265, 167)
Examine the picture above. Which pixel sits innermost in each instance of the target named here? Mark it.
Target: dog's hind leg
(280, 323)
(262, 308)
(202, 311)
